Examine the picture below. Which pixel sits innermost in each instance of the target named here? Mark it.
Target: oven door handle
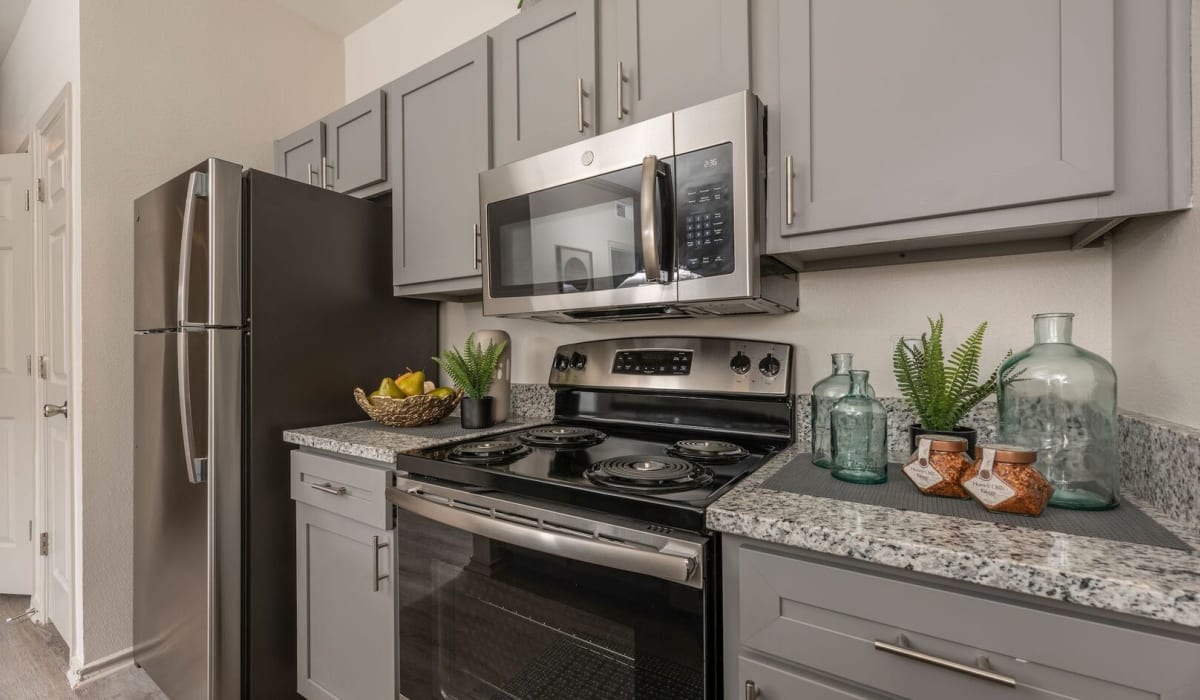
(656, 263)
(668, 567)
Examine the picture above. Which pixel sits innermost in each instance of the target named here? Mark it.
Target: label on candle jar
(919, 469)
(986, 486)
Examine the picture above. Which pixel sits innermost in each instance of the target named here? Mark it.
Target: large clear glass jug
(1061, 400)
(825, 394)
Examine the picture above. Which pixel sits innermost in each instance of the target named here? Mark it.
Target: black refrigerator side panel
(322, 321)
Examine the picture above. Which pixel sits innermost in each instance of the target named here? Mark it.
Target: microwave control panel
(704, 212)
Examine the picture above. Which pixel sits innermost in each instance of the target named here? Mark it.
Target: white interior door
(16, 375)
(53, 229)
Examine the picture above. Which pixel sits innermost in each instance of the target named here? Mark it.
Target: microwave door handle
(653, 171)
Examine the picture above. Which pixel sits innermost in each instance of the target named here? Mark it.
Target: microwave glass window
(580, 237)
(704, 212)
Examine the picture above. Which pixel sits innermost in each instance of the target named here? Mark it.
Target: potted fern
(473, 370)
(943, 391)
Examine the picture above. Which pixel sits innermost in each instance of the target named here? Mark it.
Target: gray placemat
(1126, 523)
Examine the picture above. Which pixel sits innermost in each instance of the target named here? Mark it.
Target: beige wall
(413, 32)
(856, 311)
(1156, 298)
(165, 84)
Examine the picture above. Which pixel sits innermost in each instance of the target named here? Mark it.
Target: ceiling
(11, 12)
(339, 17)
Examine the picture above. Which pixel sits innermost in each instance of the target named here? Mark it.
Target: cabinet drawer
(829, 619)
(771, 682)
(350, 489)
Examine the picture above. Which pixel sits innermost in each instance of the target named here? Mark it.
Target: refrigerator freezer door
(170, 538)
(188, 250)
(187, 534)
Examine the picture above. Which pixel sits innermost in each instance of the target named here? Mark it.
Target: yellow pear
(413, 384)
(443, 393)
(404, 376)
(389, 388)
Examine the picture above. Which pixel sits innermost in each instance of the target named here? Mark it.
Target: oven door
(501, 598)
(583, 229)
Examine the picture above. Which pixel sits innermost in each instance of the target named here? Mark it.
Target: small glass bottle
(1061, 400)
(858, 434)
(825, 394)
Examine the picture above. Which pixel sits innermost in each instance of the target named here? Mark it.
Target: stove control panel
(650, 362)
(676, 364)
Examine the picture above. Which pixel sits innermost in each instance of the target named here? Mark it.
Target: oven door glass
(479, 619)
(584, 236)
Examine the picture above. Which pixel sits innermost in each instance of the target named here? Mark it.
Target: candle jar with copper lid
(1005, 479)
(938, 465)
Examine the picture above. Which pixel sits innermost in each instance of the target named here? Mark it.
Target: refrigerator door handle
(196, 466)
(197, 187)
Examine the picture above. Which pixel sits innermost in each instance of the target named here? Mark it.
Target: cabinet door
(298, 156)
(357, 142)
(544, 72)
(676, 53)
(892, 111)
(345, 617)
(440, 141)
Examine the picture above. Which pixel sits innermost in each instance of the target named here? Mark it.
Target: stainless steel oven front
(661, 218)
(503, 597)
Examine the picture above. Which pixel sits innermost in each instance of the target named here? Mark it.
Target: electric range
(570, 559)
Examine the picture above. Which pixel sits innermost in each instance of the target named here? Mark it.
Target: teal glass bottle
(1061, 400)
(858, 434)
(825, 394)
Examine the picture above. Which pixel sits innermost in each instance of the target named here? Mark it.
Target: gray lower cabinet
(801, 627)
(439, 141)
(345, 599)
(544, 78)
(357, 153)
(665, 55)
(298, 155)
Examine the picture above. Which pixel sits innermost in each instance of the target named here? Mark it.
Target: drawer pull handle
(330, 489)
(751, 691)
(983, 671)
(377, 546)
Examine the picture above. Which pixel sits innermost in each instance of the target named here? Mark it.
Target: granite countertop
(370, 440)
(1151, 582)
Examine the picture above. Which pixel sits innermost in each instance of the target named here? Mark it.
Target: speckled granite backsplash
(1162, 460)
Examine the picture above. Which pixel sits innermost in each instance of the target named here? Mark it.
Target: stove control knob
(740, 363)
(561, 362)
(769, 366)
(578, 361)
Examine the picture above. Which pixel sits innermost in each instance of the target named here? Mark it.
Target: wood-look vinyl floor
(33, 665)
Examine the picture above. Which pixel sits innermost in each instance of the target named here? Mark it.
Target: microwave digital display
(704, 212)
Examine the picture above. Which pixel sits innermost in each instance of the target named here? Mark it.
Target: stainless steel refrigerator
(260, 304)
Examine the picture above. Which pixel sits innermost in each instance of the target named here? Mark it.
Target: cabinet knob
(751, 691)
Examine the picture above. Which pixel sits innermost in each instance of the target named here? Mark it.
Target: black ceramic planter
(915, 430)
(477, 413)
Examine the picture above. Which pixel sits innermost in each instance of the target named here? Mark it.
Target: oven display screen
(653, 362)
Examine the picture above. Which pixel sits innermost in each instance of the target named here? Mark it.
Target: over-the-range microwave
(663, 218)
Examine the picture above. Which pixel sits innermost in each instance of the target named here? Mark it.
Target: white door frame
(60, 108)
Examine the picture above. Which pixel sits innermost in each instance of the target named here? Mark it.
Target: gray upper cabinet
(823, 628)
(439, 141)
(357, 155)
(298, 156)
(544, 78)
(670, 54)
(893, 111)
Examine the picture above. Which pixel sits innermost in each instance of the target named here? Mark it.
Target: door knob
(50, 410)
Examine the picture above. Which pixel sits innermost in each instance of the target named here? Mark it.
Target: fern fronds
(473, 369)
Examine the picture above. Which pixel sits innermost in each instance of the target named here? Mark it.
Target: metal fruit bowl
(410, 412)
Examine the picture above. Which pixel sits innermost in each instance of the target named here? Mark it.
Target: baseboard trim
(86, 673)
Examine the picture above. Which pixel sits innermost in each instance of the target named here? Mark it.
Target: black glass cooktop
(658, 476)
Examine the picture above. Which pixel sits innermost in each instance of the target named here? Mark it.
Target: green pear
(388, 388)
(413, 384)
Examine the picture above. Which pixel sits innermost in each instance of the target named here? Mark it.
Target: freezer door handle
(197, 187)
(197, 467)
